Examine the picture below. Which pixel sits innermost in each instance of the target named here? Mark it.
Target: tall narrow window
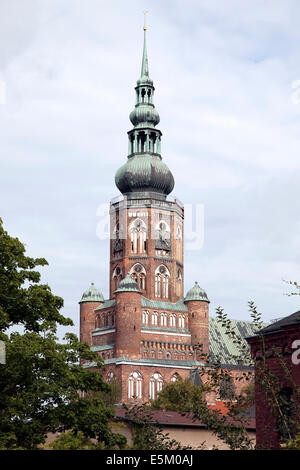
(162, 275)
(163, 319)
(145, 317)
(181, 321)
(173, 320)
(117, 276)
(154, 318)
(138, 273)
(138, 236)
(135, 381)
(155, 385)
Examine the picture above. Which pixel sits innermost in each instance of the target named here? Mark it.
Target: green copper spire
(144, 171)
(145, 67)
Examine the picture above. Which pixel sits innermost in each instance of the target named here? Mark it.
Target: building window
(135, 381)
(138, 273)
(227, 390)
(145, 318)
(162, 238)
(154, 318)
(163, 319)
(155, 385)
(110, 376)
(98, 321)
(117, 276)
(181, 321)
(162, 276)
(138, 236)
(173, 320)
(175, 377)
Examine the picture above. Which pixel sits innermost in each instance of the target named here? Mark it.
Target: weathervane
(145, 13)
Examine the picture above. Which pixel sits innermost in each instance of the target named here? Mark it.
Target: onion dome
(196, 293)
(92, 294)
(144, 173)
(128, 285)
(144, 115)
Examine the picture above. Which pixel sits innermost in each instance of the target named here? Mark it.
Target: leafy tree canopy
(42, 378)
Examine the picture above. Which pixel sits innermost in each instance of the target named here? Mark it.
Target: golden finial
(145, 13)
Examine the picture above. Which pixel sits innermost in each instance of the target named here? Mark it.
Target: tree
(41, 380)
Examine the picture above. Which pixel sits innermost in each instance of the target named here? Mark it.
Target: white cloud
(223, 73)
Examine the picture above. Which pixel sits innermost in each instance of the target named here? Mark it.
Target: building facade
(276, 352)
(148, 330)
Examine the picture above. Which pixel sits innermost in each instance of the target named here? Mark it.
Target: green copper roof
(223, 347)
(145, 79)
(106, 304)
(143, 173)
(196, 293)
(157, 304)
(92, 294)
(128, 285)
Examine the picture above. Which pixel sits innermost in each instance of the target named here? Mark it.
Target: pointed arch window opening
(117, 276)
(138, 236)
(162, 275)
(145, 317)
(155, 385)
(138, 273)
(135, 381)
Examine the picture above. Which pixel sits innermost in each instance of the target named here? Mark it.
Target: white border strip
(98, 333)
(142, 364)
(165, 333)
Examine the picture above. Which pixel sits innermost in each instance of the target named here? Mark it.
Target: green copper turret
(144, 171)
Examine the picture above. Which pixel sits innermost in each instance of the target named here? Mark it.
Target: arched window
(154, 318)
(138, 236)
(227, 389)
(117, 276)
(117, 238)
(110, 376)
(173, 320)
(135, 385)
(181, 321)
(98, 321)
(163, 319)
(162, 238)
(178, 241)
(145, 317)
(138, 273)
(162, 276)
(155, 385)
(179, 283)
(175, 377)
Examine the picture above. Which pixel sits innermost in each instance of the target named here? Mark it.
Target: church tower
(146, 228)
(146, 331)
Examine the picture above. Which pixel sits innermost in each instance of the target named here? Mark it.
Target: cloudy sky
(227, 78)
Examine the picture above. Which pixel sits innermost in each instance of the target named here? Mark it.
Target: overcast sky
(225, 73)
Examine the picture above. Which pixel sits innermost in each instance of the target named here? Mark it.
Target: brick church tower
(146, 331)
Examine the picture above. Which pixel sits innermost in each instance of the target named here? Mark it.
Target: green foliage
(147, 433)
(78, 441)
(179, 396)
(40, 381)
(293, 444)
